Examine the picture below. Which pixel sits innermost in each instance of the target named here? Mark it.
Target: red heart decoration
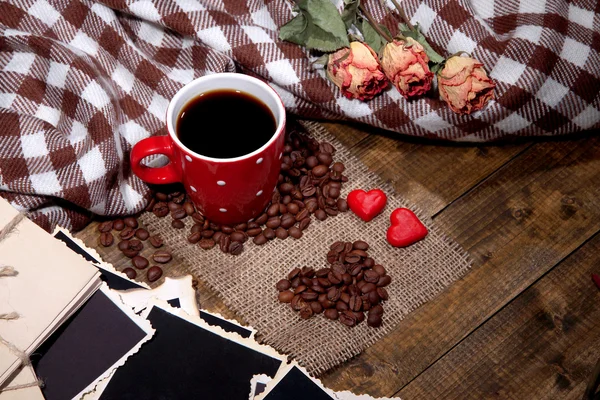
(406, 228)
(366, 204)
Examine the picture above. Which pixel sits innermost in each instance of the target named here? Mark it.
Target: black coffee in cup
(225, 123)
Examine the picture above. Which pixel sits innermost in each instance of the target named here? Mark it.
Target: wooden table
(525, 322)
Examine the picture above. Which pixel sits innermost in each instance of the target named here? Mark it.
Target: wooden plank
(517, 224)
(430, 176)
(543, 345)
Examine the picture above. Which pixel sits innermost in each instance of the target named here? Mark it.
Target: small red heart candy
(366, 204)
(406, 228)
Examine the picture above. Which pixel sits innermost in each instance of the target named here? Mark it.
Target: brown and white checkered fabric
(81, 82)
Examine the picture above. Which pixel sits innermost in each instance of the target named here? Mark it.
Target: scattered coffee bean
(283, 284)
(162, 256)
(285, 296)
(260, 239)
(139, 262)
(105, 226)
(177, 224)
(154, 273)
(295, 232)
(156, 241)
(106, 239)
(123, 245)
(118, 225)
(131, 222)
(194, 237)
(206, 244)
(281, 233)
(142, 234)
(331, 313)
(127, 233)
(130, 272)
(236, 248)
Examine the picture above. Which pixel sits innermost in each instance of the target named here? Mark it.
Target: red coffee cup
(225, 190)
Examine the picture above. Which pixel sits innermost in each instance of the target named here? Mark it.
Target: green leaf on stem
(318, 26)
(372, 38)
(434, 57)
(350, 12)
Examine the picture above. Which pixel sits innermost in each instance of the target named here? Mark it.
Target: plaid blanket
(81, 82)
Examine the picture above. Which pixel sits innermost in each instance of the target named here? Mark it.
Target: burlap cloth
(246, 282)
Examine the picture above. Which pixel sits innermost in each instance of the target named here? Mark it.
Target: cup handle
(155, 145)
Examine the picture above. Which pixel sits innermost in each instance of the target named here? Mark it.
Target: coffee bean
(373, 297)
(307, 272)
(260, 239)
(154, 273)
(119, 225)
(297, 303)
(347, 318)
(254, 232)
(156, 241)
(285, 296)
(136, 245)
(331, 313)
(194, 237)
(273, 210)
(127, 233)
(160, 209)
(320, 170)
(281, 233)
(316, 307)
(162, 256)
(131, 222)
(359, 282)
(106, 239)
(224, 243)
(379, 269)
(334, 277)
(345, 297)
(300, 288)
(342, 205)
(236, 248)
(269, 234)
(334, 293)
(378, 309)
(198, 218)
(283, 284)
(360, 253)
(371, 276)
(353, 290)
(142, 234)
(374, 320)
(293, 208)
(178, 214)
(105, 226)
(368, 287)
(130, 272)
(226, 229)
(360, 245)
(173, 206)
(139, 262)
(262, 219)
(321, 215)
(322, 273)
(384, 281)
(238, 236)
(273, 222)
(338, 167)
(286, 188)
(311, 205)
(306, 281)
(347, 278)
(383, 294)
(355, 303)
(177, 224)
(302, 214)
(294, 273)
(368, 262)
(306, 312)
(309, 296)
(287, 199)
(295, 232)
(206, 244)
(241, 227)
(331, 211)
(341, 306)
(208, 233)
(351, 259)
(355, 269)
(189, 208)
(123, 245)
(130, 253)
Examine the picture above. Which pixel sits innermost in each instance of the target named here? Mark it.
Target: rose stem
(369, 18)
(403, 16)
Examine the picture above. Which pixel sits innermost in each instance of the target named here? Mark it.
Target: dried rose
(405, 64)
(356, 71)
(464, 85)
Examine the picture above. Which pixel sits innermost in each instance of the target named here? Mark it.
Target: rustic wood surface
(525, 322)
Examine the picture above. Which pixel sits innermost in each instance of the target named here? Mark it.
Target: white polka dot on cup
(223, 210)
(259, 193)
(193, 189)
(188, 158)
(260, 160)
(221, 183)
(280, 154)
